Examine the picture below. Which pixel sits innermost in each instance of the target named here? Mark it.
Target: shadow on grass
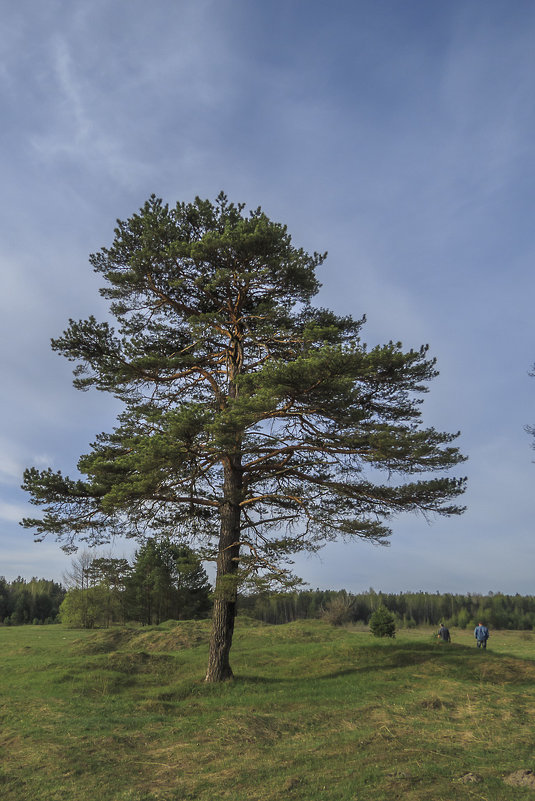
(459, 661)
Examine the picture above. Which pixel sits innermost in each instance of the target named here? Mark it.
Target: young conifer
(382, 623)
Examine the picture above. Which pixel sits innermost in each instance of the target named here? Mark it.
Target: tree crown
(238, 393)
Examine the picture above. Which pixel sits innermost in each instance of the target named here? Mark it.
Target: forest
(168, 582)
(497, 610)
(33, 601)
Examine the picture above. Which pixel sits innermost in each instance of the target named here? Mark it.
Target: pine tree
(252, 420)
(167, 581)
(382, 623)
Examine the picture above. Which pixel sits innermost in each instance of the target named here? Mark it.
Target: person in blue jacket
(481, 633)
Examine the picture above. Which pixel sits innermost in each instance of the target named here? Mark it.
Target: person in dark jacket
(481, 633)
(444, 633)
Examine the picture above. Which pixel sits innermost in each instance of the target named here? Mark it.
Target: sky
(397, 136)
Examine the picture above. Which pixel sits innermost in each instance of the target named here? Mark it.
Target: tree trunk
(226, 585)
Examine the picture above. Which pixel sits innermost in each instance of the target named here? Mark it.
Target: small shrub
(382, 623)
(339, 610)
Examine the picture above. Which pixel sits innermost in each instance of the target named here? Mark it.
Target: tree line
(34, 601)
(165, 581)
(497, 610)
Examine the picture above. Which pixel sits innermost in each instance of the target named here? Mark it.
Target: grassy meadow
(313, 713)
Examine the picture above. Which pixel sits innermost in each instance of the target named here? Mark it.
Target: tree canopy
(253, 421)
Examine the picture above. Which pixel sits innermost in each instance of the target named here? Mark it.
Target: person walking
(444, 633)
(481, 633)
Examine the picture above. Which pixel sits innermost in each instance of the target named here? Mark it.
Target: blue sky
(398, 136)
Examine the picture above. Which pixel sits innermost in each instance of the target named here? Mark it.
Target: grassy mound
(173, 635)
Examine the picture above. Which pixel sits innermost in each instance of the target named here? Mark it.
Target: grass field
(314, 713)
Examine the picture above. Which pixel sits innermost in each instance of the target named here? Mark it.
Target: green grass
(314, 713)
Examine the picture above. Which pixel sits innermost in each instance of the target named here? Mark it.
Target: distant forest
(38, 601)
(410, 609)
(34, 601)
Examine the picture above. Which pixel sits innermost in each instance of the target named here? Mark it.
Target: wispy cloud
(12, 512)
(10, 469)
(400, 142)
(72, 129)
(114, 110)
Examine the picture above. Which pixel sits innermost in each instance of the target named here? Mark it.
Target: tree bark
(226, 588)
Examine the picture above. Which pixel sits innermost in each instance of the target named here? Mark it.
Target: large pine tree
(252, 421)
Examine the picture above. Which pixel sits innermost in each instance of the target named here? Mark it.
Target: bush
(339, 610)
(85, 609)
(382, 623)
